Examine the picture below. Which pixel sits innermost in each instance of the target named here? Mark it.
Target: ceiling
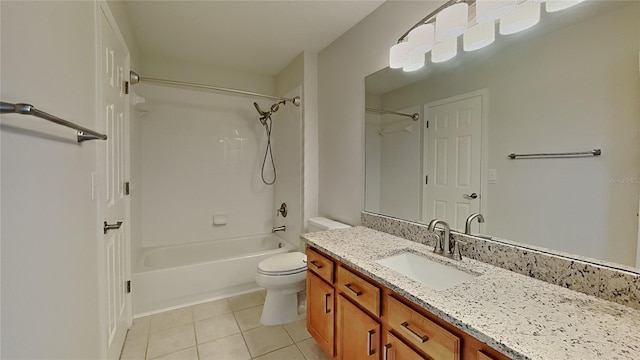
(260, 37)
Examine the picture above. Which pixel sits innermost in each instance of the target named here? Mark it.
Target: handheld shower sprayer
(263, 114)
(265, 120)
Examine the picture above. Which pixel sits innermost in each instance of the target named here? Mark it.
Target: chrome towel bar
(83, 134)
(414, 117)
(595, 152)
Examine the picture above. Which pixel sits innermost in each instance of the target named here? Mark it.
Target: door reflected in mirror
(570, 84)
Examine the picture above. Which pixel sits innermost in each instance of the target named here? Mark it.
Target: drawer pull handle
(315, 263)
(326, 303)
(422, 339)
(370, 351)
(386, 352)
(355, 292)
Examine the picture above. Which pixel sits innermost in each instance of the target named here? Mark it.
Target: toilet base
(280, 307)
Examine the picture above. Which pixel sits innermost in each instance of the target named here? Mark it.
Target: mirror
(569, 84)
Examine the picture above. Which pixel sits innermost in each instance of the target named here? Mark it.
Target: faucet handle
(457, 254)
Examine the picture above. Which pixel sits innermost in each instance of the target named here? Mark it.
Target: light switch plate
(493, 176)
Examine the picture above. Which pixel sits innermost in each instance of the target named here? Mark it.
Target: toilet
(284, 276)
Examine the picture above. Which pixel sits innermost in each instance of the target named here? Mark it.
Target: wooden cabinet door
(358, 336)
(320, 312)
(395, 349)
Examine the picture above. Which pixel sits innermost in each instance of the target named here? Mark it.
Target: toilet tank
(321, 224)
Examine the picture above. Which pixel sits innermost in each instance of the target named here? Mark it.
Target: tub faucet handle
(282, 210)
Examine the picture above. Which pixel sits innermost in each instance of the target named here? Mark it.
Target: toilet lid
(284, 263)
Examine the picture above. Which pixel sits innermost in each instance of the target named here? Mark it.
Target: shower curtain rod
(134, 78)
(414, 117)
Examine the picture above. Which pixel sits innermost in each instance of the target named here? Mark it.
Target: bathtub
(171, 276)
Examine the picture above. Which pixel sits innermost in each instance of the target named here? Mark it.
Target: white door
(453, 160)
(113, 119)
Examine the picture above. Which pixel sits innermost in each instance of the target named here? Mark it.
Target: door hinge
(426, 179)
(127, 188)
(126, 88)
(426, 122)
(128, 286)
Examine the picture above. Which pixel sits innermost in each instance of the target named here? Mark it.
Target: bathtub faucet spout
(279, 228)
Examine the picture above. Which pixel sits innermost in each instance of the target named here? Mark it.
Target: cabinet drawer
(483, 356)
(320, 265)
(359, 290)
(426, 335)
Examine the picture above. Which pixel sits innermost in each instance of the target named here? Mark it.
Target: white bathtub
(170, 276)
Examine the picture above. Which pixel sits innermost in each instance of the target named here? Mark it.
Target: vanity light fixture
(399, 55)
(479, 36)
(444, 50)
(415, 62)
(523, 17)
(557, 5)
(491, 10)
(452, 21)
(421, 39)
(438, 31)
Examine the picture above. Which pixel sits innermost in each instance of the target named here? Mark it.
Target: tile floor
(227, 329)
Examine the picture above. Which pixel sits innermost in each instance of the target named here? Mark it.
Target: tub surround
(521, 317)
(614, 282)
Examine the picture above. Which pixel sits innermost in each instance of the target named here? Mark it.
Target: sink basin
(432, 274)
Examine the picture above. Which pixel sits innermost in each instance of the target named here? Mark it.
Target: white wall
(201, 155)
(49, 228)
(310, 137)
(170, 69)
(301, 77)
(373, 148)
(342, 67)
(536, 104)
(288, 154)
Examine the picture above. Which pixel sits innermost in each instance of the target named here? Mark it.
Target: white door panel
(453, 160)
(112, 168)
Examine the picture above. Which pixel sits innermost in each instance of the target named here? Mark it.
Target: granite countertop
(521, 317)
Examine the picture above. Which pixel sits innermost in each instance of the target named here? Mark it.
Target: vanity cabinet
(372, 322)
(358, 334)
(320, 301)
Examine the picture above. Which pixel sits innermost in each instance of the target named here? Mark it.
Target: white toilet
(284, 276)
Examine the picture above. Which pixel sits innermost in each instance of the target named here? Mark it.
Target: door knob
(472, 196)
(108, 227)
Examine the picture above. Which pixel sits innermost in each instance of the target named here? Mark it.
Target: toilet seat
(283, 264)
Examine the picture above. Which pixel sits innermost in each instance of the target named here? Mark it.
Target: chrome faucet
(467, 227)
(440, 244)
(279, 228)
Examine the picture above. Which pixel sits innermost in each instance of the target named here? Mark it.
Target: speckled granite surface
(522, 317)
(621, 285)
